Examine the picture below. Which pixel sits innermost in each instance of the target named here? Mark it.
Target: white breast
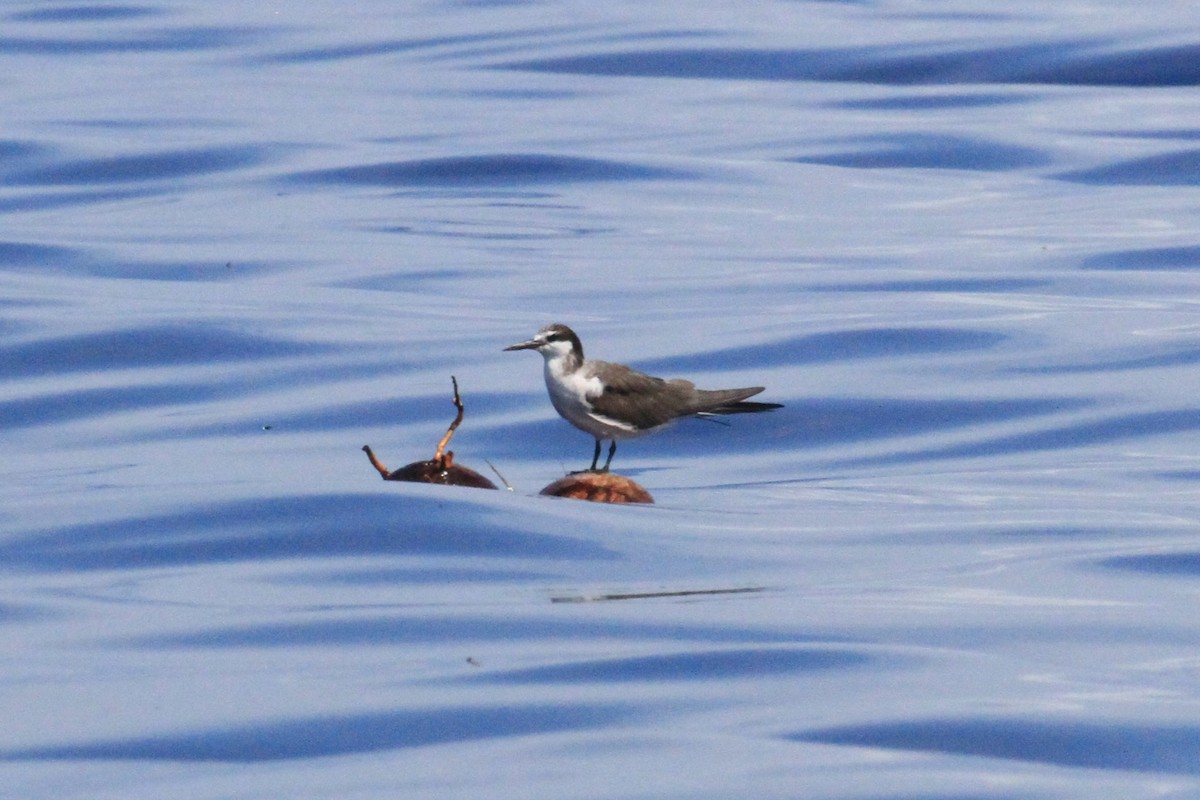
(569, 392)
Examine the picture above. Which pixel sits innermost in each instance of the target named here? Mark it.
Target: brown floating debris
(444, 472)
(599, 487)
(440, 469)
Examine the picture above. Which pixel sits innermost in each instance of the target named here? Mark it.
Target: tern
(613, 402)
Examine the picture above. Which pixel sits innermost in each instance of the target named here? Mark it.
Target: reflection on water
(240, 241)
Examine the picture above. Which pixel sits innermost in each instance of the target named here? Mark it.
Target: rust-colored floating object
(440, 469)
(436, 470)
(599, 487)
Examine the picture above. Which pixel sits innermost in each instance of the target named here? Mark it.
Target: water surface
(958, 244)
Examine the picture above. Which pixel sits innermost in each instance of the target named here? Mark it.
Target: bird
(614, 402)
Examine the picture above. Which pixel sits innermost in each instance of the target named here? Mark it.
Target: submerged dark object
(440, 469)
(599, 487)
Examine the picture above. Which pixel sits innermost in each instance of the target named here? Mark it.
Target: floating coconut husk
(440, 469)
(599, 487)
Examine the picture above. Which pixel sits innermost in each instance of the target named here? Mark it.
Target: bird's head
(552, 341)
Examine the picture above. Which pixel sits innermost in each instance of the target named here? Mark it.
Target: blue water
(239, 241)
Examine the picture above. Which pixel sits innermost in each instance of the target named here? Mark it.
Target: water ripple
(26, 254)
(930, 151)
(924, 102)
(83, 13)
(1168, 169)
(340, 734)
(44, 259)
(364, 49)
(706, 665)
(150, 346)
(1065, 62)
(1180, 563)
(1067, 743)
(487, 170)
(370, 629)
(836, 346)
(163, 166)
(1164, 355)
(1121, 427)
(1149, 260)
(174, 39)
(11, 150)
(77, 404)
(41, 201)
(935, 285)
(290, 527)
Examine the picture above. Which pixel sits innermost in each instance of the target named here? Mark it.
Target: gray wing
(642, 400)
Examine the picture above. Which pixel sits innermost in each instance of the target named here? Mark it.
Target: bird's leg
(611, 452)
(592, 468)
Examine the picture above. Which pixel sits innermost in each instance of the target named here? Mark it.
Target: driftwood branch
(446, 460)
(384, 471)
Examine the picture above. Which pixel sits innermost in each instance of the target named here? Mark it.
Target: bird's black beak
(532, 344)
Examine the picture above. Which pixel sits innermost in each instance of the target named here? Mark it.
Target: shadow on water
(341, 734)
(1135, 747)
(513, 169)
(293, 527)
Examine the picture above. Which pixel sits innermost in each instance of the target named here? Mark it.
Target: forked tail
(732, 401)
